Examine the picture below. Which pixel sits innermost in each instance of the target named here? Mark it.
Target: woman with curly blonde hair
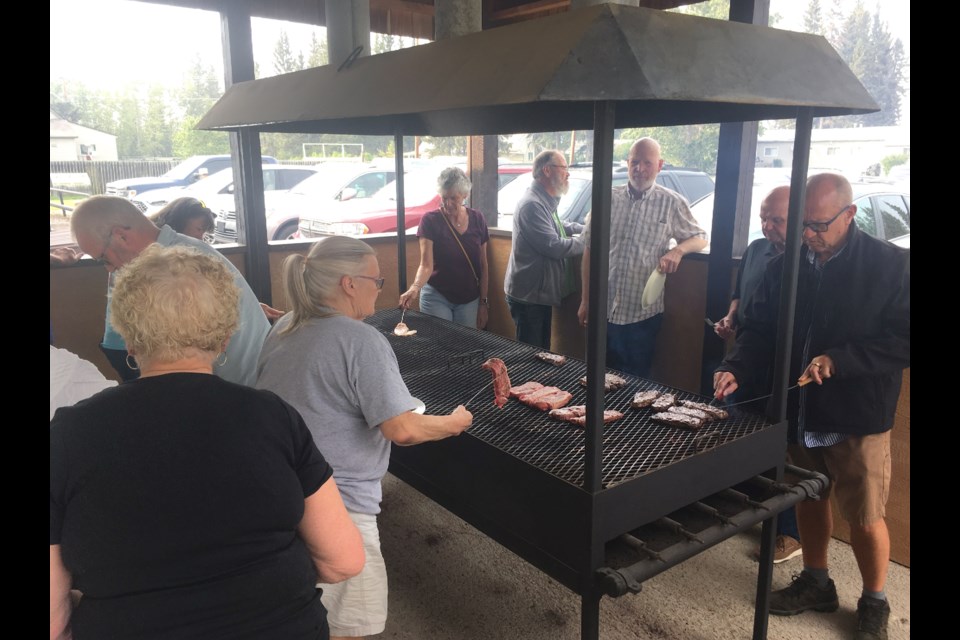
(183, 505)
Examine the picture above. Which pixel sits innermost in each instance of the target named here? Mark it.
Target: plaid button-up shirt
(641, 229)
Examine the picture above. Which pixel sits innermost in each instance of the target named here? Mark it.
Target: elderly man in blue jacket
(851, 338)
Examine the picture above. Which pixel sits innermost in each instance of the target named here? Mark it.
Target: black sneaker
(872, 615)
(802, 594)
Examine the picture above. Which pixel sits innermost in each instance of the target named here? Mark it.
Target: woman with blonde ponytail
(342, 375)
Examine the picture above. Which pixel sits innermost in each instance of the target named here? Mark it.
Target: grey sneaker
(872, 615)
(802, 594)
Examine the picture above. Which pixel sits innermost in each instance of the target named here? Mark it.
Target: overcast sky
(109, 43)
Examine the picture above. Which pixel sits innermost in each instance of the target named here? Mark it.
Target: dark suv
(575, 205)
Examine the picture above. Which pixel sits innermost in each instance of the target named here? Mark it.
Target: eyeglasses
(820, 227)
(378, 281)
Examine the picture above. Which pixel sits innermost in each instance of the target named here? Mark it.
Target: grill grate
(441, 367)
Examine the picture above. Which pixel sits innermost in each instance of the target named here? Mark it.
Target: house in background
(850, 151)
(69, 141)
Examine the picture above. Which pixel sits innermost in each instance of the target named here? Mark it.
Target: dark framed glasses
(820, 227)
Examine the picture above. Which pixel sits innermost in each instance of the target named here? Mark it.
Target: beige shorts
(859, 473)
(358, 606)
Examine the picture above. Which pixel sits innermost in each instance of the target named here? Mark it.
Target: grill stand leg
(590, 615)
(764, 578)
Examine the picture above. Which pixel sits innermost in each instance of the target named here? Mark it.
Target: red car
(378, 213)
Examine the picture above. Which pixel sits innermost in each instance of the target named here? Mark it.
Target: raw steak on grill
(611, 382)
(526, 387)
(675, 419)
(551, 358)
(547, 398)
(690, 411)
(716, 412)
(609, 415)
(665, 401)
(501, 381)
(577, 414)
(568, 414)
(643, 399)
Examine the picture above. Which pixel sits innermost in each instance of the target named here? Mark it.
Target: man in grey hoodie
(539, 273)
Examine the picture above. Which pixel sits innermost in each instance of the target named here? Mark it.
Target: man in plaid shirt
(644, 218)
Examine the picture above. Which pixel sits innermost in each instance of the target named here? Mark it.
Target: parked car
(378, 214)
(330, 185)
(217, 191)
(880, 212)
(184, 174)
(576, 204)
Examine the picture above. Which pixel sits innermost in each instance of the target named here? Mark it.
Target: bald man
(852, 341)
(114, 231)
(773, 223)
(644, 218)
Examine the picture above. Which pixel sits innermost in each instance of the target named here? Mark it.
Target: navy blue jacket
(857, 311)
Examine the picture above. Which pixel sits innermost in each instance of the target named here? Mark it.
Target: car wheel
(286, 231)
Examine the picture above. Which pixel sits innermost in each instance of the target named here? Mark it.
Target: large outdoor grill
(556, 495)
(518, 475)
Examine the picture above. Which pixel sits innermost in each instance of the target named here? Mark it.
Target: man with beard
(539, 273)
(644, 218)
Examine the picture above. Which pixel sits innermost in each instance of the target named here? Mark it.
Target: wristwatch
(485, 302)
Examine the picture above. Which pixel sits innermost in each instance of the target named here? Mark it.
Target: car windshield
(326, 182)
(182, 171)
(418, 188)
(211, 184)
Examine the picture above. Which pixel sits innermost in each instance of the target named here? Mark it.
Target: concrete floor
(448, 581)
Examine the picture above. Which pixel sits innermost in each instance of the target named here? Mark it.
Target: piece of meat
(675, 419)
(690, 411)
(547, 398)
(716, 412)
(403, 330)
(577, 414)
(551, 358)
(501, 381)
(526, 387)
(664, 402)
(643, 399)
(611, 382)
(569, 413)
(609, 415)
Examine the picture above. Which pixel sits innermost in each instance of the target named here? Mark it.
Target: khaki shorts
(859, 473)
(357, 606)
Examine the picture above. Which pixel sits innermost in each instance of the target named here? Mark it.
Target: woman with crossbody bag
(452, 278)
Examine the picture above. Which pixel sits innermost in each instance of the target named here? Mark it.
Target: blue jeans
(533, 322)
(630, 346)
(433, 303)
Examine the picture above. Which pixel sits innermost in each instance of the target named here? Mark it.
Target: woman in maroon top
(452, 278)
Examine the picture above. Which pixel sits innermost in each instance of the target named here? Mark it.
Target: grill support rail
(619, 582)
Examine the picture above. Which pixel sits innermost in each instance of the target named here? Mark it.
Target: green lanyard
(568, 285)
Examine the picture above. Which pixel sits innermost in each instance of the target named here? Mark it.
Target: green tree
(284, 60)
(157, 137)
(198, 93)
(877, 59)
(691, 146)
(129, 120)
(813, 18)
(319, 55)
